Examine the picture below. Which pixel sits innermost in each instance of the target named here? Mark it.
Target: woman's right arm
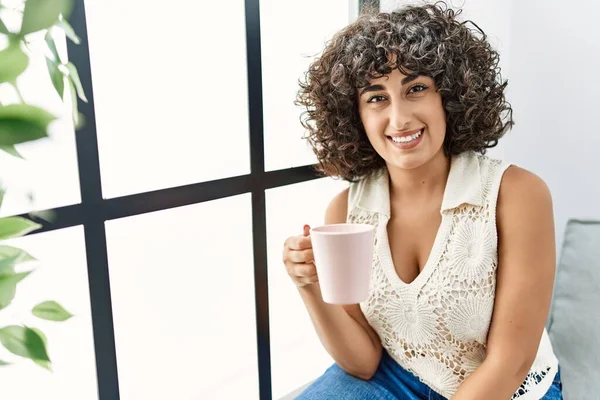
(343, 330)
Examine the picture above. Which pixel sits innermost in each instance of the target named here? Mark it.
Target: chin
(409, 161)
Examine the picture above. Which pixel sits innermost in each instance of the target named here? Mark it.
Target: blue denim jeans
(390, 382)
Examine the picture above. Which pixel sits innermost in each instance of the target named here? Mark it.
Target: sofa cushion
(574, 324)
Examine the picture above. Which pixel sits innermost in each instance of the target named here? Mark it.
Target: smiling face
(404, 119)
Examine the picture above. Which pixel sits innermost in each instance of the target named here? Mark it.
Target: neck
(423, 183)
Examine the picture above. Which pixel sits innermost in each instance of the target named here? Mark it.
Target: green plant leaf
(13, 61)
(46, 215)
(7, 266)
(80, 122)
(10, 149)
(11, 227)
(52, 46)
(20, 123)
(74, 75)
(8, 287)
(42, 14)
(15, 131)
(24, 342)
(65, 26)
(42, 363)
(75, 109)
(26, 112)
(10, 251)
(67, 9)
(57, 77)
(11, 256)
(51, 311)
(3, 363)
(3, 28)
(2, 192)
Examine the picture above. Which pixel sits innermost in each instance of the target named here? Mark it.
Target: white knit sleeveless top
(436, 326)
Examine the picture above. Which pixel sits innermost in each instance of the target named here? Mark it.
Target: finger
(303, 270)
(301, 256)
(307, 280)
(306, 230)
(299, 243)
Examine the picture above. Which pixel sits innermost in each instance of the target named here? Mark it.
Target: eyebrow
(410, 78)
(374, 88)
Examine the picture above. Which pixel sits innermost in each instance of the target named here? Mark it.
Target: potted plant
(20, 123)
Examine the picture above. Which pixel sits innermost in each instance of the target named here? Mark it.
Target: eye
(376, 98)
(419, 87)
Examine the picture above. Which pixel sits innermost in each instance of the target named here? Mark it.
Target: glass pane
(182, 285)
(60, 275)
(49, 171)
(297, 355)
(288, 47)
(170, 86)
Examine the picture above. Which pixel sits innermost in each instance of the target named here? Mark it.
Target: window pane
(292, 33)
(60, 275)
(297, 355)
(182, 285)
(49, 171)
(170, 86)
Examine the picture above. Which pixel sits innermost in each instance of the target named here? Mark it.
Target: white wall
(555, 94)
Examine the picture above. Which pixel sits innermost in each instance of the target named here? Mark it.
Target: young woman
(403, 105)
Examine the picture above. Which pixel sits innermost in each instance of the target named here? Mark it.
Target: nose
(400, 117)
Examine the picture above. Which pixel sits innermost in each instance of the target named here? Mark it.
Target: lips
(407, 140)
(405, 133)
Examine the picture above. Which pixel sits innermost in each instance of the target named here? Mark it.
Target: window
(293, 32)
(60, 275)
(49, 172)
(186, 175)
(297, 355)
(182, 290)
(170, 91)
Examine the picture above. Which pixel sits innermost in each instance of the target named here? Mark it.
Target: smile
(407, 141)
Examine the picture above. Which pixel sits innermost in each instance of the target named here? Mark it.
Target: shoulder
(523, 197)
(337, 209)
(522, 186)
(365, 193)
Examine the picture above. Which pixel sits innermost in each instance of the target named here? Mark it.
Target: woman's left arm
(524, 283)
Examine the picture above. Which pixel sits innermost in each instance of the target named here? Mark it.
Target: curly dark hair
(424, 39)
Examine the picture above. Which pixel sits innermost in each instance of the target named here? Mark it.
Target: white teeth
(406, 139)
